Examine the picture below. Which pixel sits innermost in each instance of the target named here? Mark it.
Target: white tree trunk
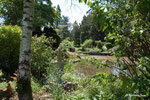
(24, 71)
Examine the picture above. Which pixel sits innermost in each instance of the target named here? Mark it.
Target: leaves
(11, 11)
(126, 23)
(80, 1)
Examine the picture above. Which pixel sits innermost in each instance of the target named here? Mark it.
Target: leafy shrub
(71, 77)
(87, 43)
(65, 44)
(53, 82)
(35, 86)
(108, 45)
(104, 48)
(93, 50)
(9, 48)
(93, 91)
(99, 44)
(42, 55)
(68, 67)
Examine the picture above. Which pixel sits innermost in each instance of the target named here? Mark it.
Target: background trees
(87, 30)
(11, 11)
(76, 33)
(90, 29)
(63, 27)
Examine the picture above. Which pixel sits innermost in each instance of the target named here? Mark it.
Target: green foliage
(71, 77)
(108, 45)
(9, 48)
(90, 30)
(110, 86)
(36, 87)
(76, 34)
(65, 44)
(63, 31)
(3, 85)
(99, 44)
(0, 74)
(11, 11)
(88, 43)
(93, 50)
(101, 87)
(68, 67)
(54, 82)
(127, 24)
(42, 55)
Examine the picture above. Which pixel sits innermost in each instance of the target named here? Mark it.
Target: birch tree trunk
(24, 72)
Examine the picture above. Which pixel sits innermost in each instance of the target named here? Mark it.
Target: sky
(74, 11)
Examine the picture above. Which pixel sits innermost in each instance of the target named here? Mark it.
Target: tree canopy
(44, 13)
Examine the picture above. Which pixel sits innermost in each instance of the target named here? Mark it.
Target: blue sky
(75, 12)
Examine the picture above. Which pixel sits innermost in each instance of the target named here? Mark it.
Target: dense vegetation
(118, 28)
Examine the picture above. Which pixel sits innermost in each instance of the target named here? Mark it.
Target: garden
(104, 57)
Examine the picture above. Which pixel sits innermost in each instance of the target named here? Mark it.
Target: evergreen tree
(58, 21)
(89, 30)
(63, 27)
(76, 33)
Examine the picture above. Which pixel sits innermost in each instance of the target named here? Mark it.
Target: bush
(66, 44)
(108, 45)
(9, 48)
(99, 44)
(42, 55)
(36, 87)
(87, 43)
(94, 50)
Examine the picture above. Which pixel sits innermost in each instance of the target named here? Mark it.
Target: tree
(11, 11)
(84, 28)
(90, 30)
(76, 33)
(58, 20)
(24, 71)
(65, 20)
(63, 27)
